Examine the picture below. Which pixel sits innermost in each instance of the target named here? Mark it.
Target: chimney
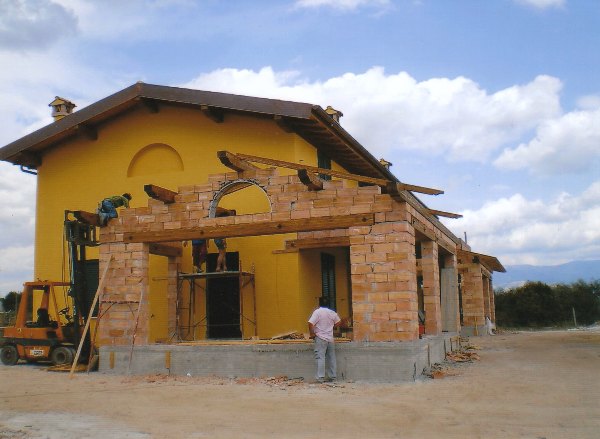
(61, 107)
(387, 165)
(333, 113)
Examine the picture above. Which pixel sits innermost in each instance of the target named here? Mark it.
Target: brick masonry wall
(382, 255)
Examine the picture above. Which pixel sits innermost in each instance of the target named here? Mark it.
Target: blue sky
(497, 102)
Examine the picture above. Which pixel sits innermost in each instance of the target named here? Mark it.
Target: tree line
(536, 304)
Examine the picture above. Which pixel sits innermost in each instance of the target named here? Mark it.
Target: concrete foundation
(368, 362)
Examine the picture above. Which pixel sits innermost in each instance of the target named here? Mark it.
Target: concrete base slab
(369, 362)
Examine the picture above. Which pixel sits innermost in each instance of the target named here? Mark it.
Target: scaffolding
(186, 331)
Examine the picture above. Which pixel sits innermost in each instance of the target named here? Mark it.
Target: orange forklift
(36, 336)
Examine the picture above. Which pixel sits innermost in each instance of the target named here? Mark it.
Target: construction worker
(107, 208)
(320, 325)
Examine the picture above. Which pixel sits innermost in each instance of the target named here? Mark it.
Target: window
(323, 162)
(328, 280)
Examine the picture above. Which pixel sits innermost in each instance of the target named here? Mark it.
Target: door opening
(223, 299)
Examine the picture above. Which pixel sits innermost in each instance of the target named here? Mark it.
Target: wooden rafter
(252, 229)
(150, 105)
(212, 113)
(393, 188)
(159, 193)
(281, 121)
(306, 243)
(444, 214)
(88, 131)
(234, 162)
(310, 179)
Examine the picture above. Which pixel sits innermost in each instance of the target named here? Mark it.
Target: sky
(496, 102)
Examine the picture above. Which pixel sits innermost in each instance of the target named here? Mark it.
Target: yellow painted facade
(177, 147)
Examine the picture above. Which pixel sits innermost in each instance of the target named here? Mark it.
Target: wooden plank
(87, 217)
(165, 250)
(444, 214)
(253, 229)
(233, 162)
(314, 169)
(310, 180)
(393, 187)
(159, 193)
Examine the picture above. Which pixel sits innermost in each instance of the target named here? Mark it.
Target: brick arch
(232, 186)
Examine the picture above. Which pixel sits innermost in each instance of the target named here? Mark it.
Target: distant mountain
(517, 275)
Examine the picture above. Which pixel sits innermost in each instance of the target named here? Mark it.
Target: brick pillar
(384, 282)
(126, 282)
(486, 296)
(472, 297)
(431, 287)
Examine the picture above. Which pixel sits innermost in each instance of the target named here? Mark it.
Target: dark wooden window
(323, 162)
(328, 280)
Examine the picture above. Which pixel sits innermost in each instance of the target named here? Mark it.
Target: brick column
(431, 287)
(126, 282)
(173, 265)
(486, 296)
(492, 302)
(384, 282)
(472, 296)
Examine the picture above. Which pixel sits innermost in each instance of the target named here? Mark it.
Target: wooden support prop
(444, 214)
(165, 250)
(159, 193)
(233, 162)
(252, 229)
(137, 320)
(212, 113)
(310, 180)
(89, 319)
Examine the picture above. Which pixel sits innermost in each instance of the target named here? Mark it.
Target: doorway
(223, 299)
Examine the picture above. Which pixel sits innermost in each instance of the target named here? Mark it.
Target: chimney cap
(333, 113)
(385, 163)
(61, 107)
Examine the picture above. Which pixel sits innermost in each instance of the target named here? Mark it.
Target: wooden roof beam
(283, 124)
(393, 187)
(159, 193)
(149, 104)
(252, 229)
(444, 214)
(310, 179)
(88, 131)
(234, 162)
(212, 113)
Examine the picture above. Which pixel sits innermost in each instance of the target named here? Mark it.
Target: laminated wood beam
(333, 241)
(165, 250)
(87, 217)
(444, 214)
(310, 180)
(159, 193)
(233, 162)
(252, 229)
(212, 113)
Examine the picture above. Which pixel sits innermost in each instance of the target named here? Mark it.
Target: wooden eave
(490, 262)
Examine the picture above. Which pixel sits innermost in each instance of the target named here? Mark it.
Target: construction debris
(289, 336)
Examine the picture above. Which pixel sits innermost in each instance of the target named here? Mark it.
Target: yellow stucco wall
(172, 148)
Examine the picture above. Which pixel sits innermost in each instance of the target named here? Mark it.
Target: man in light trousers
(320, 325)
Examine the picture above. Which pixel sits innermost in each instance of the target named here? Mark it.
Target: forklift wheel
(61, 355)
(9, 355)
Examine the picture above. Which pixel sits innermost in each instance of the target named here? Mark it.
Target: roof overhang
(490, 262)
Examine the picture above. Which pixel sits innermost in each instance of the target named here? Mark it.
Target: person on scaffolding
(199, 253)
(107, 208)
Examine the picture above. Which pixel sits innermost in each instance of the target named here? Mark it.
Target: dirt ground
(525, 385)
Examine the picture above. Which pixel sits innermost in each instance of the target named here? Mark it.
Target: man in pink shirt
(321, 324)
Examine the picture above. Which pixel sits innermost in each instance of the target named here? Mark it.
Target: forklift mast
(79, 236)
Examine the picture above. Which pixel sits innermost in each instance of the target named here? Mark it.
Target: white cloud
(344, 5)
(395, 112)
(543, 4)
(33, 24)
(564, 145)
(522, 231)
